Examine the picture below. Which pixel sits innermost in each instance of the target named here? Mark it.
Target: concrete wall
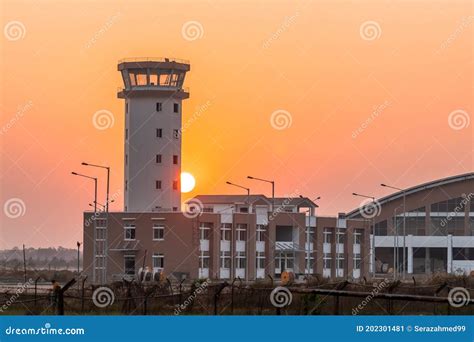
(141, 148)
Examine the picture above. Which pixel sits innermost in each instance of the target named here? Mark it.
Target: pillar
(409, 243)
(450, 254)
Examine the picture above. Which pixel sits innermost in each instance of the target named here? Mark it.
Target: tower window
(158, 184)
(126, 185)
(159, 133)
(175, 185)
(176, 107)
(175, 159)
(126, 134)
(126, 159)
(176, 133)
(158, 158)
(126, 107)
(159, 106)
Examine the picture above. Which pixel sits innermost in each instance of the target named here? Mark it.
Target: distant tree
(30, 263)
(54, 263)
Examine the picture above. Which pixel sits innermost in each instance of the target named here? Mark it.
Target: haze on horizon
(366, 91)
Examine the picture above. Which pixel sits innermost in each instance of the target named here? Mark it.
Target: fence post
(60, 303)
(336, 304)
(438, 290)
(82, 294)
(180, 298)
(60, 296)
(390, 290)
(232, 297)
(36, 285)
(339, 287)
(217, 294)
(127, 304)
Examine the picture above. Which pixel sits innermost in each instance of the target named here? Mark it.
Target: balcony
(176, 92)
(126, 246)
(288, 246)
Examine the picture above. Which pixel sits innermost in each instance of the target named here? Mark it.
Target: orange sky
(252, 58)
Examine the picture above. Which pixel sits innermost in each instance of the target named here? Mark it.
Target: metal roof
(418, 188)
(255, 200)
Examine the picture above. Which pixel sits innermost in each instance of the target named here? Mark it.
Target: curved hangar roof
(424, 186)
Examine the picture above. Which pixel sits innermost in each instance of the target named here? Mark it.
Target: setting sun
(187, 182)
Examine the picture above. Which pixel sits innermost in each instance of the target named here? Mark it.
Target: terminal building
(230, 236)
(254, 236)
(438, 233)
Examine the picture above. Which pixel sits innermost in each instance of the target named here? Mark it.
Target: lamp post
(108, 180)
(242, 187)
(273, 188)
(95, 187)
(101, 205)
(95, 216)
(104, 270)
(248, 226)
(404, 224)
(78, 257)
(372, 250)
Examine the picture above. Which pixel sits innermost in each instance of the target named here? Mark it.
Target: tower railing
(151, 87)
(153, 59)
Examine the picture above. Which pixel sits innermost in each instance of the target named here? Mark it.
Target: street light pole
(95, 187)
(101, 205)
(104, 270)
(95, 216)
(108, 182)
(273, 188)
(242, 187)
(78, 257)
(372, 250)
(404, 225)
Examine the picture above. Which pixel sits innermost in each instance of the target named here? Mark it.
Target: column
(318, 250)
(427, 261)
(371, 252)
(450, 253)
(270, 252)
(409, 243)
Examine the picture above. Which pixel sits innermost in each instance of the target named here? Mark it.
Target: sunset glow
(325, 98)
(187, 182)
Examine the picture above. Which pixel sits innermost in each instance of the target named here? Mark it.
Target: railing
(288, 246)
(315, 296)
(124, 246)
(153, 59)
(154, 87)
